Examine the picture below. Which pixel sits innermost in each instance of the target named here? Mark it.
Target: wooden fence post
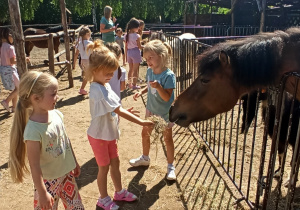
(15, 18)
(66, 40)
(51, 54)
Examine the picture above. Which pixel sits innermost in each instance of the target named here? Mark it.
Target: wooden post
(232, 33)
(262, 16)
(51, 54)
(66, 40)
(15, 18)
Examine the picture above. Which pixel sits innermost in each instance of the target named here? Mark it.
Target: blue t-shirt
(108, 36)
(155, 103)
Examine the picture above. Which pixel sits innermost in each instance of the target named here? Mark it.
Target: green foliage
(48, 11)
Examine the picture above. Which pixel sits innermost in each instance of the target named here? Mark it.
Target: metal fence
(243, 156)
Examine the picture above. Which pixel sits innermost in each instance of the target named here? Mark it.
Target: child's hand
(155, 84)
(77, 170)
(148, 123)
(27, 59)
(136, 95)
(46, 201)
(134, 112)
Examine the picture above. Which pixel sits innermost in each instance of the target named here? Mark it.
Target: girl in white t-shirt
(104, 131)
(133, 54)
(84, 40)
(42, 138)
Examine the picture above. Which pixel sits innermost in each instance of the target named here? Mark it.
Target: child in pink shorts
(104, 130)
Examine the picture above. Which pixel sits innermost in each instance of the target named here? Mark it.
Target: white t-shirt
(82, 49)
(115, 82)
(103, 102)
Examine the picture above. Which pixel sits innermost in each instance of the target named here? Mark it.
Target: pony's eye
(204, 81)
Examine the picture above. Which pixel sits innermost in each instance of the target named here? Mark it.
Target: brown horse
(41, 43)
(230, 69)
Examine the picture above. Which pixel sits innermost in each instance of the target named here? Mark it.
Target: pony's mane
(255, 60)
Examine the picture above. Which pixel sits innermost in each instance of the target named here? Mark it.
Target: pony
(42, 43)
(230, 69)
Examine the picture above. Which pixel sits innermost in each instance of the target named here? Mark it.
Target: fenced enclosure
(249, 158)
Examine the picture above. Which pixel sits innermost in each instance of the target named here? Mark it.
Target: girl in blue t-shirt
(161, 84)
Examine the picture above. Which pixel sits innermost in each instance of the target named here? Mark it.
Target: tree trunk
(66, 40)
(18, 36)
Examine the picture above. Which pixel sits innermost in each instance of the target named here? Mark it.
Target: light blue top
(108, 36)
(155, 103)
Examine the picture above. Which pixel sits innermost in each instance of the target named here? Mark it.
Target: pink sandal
(107, 204)
(125, 196)
(5, 105)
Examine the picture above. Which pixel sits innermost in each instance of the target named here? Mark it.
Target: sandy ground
(199, 185)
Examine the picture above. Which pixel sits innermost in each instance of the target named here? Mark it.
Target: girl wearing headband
(40, 135)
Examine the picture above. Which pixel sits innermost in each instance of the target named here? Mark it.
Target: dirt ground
(199, 185)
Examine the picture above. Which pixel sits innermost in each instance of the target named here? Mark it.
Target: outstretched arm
(131, 117)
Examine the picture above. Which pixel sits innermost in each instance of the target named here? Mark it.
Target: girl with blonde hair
(103, 131)
(107, 25)
(160, 95)
(84, 40)
(38, 132)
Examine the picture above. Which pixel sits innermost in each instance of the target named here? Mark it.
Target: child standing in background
(117, 82)
(120, 40)
(161, 84)
(44, 140)
(133, 54)
(104, 131)
(84, 40)
(8, 71)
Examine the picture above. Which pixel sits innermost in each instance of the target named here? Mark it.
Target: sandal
(125, 196)
(5, 105)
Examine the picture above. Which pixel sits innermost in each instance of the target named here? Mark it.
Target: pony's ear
(224, 58)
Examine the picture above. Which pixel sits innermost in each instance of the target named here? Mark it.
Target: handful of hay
(159, 127)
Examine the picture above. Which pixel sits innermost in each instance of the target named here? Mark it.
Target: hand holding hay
(159, 127)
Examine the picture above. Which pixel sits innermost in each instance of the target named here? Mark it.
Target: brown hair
(133, 23)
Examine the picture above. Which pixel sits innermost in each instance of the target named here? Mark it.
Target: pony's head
(211, 93)
(228, 70)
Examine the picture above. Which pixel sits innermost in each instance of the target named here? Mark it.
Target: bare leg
(135, 73)
(169, 144)
(115, 173)
(123, 56)
(146, 132)
(102, 180)
(83, 84)
(13, 96)
(130, 73)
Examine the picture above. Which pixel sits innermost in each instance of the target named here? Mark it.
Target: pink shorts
(134, 55)
(104, 150)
